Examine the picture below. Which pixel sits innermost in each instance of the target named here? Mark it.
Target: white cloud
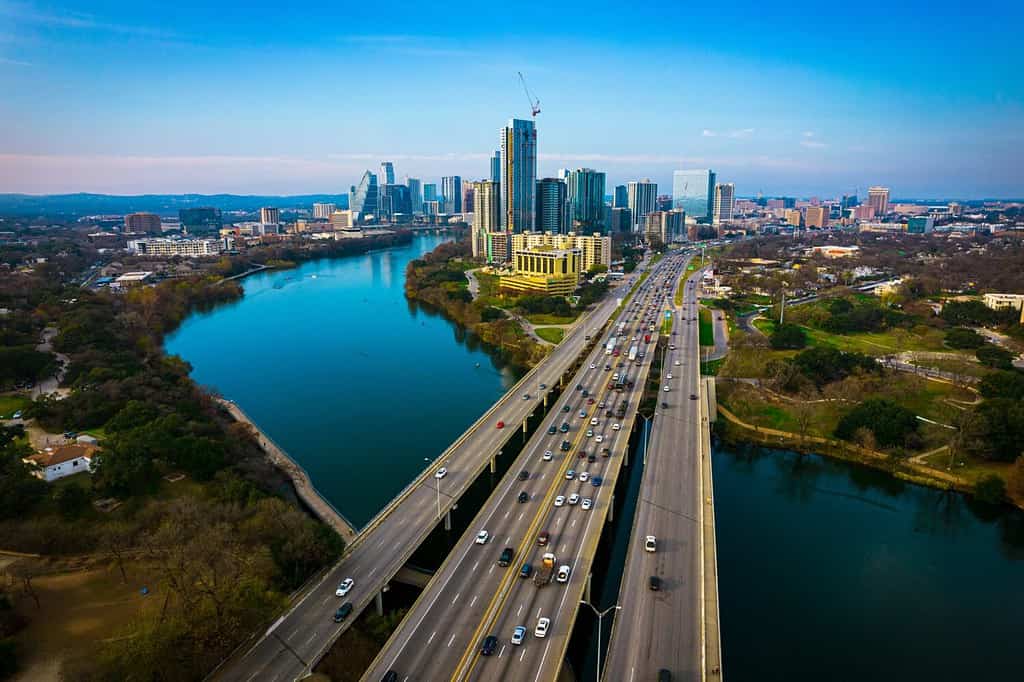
(14, 62)
(28, 14)
(739, 134)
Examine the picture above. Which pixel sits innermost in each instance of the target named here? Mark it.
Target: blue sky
(808, 98)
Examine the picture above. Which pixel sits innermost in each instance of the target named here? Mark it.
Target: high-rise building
(665, 226)
(451, 193)
(878, 199)
(621, 220)
(793, 216)
(595, 249)
(694, 192)
(816, 216)
(323, 210)
(584, 195)
(363, 197)
(518, 175)
(430, 192)
(143, 222)
(270, 215)
(848, 201)
(415, 195)
(551, 208)
(394, 200)
(467, 197)
(621, 198)
(205, 219)
(486, 216)
(640, 198)
(725, 203)
(432, 207)
(496, 166)
(387, 173)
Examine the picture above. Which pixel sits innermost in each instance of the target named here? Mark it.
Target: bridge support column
(586, 590)
(611, 509)
(527, 419)
(379, 601)
(494, 464)
(448, 520)
(625, 457)
(545, 401)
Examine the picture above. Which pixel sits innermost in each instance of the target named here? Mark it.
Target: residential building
(467, 197)
(363, 198)
(202, 219)
(664, 226)
(543, 270)
(793, 217)
(816, 216)
(270, 215)
(518, 175)
(878, 199)
(551, 206)
(640, 199)
(189, 248)
(584, 196)
(131, 279)
(415, 195)
(621, 220)
(621, 198)
(1002, 301)
(595, 249)
(499, 247)
(486, 215)
(496, 166)
(451, 194)
(323, 211)
(63, 460)
(143, 222)
(920, 225)
(387, 173)
(694, 192)
(725, 203)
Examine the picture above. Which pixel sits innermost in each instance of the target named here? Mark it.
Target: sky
(803, 99)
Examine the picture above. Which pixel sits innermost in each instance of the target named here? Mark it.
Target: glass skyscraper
(621, 199)
(694, 192)
(641, 198)
(518, 175)
(551, 205)
(415, 195)
(451, 192)
(585, 196)
(363, 197)
(496, 166)
(387, 173)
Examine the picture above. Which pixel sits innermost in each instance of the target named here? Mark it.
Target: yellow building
(544, 270)
(817, 216)
(793, 216)
(594, 249)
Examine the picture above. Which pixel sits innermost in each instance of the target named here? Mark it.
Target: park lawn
(765, 325)
(707, 332)
(545, 318)
(711, 368)
(11, 403)
(971, 468)
(551, 334)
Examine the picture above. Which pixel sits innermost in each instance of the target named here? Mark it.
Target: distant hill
(69, 206)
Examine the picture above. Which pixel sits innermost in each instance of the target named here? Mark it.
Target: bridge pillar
(625, 455)
(379, 601)
(545, 401)
(611, 509)
(527, 419)
(448, 520)
(494, 464)
(586, 590)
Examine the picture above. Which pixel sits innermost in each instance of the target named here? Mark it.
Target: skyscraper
(143, 222)
(323, 211)
(694, 192)
(451, 191)
(467, 197)
(585, 196)
(203, 219)
(429, 192)
(394, 199)
(270, 215)
(387, 173)
(551, 205)
(816, 216)
(363, 197)
(486, 215)
(640, 198)
(415, 195)
(725, 203)
(518, 175)
(621, 199)
(496, 166)
(878, 199)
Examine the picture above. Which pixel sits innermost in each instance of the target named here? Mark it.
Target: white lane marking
(573, 524)
(472, 602)
(502, 651)
(475, 565)
(431, 636)
(451, 640)
(541, 477)
(632, 673)
(456, 597)
(507, 513)
(520, 610)
(562, 549)
(521, 655)
(508, 539)
(490, 570)
(538, 612)
(519, 519)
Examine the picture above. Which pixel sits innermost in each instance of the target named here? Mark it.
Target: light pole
(600, 616)
(437, 487)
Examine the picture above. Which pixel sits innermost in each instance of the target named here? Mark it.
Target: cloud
(412, 46)
(732, 134)
(809, 142)
(27, 14)
(14, 62)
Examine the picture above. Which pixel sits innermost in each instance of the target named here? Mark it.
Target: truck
(622, 328)
(610, 346)
(632, 352)
(542, 576)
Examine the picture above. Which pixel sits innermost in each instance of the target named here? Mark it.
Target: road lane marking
(502, 651)
(431, 636)
(573, 524)
(475, 565)
(519, 519)
(456, 597)
(473, 602)
(520, 611)
(450, 640)
(521, 655)
(508, 539)
(490, 570)
(507, 513)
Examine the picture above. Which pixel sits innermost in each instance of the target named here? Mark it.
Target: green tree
(994, 356)
(72, 500)
(888, 422)
(963, 338)
(788, 336)
(991, 489)
(20, 489)
(1007, 384)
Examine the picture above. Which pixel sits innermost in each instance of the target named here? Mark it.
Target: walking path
(51, 385)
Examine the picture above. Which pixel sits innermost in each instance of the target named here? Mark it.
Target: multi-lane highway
(471, 597)
(292, 645)
(662, 629)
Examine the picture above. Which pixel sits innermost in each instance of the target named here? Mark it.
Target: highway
(293, 644)
(661, 629)
(471, 597)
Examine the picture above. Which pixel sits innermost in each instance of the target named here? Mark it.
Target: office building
(363, 198)
(143, 222)
(394, 200)
(694, 192)
(415, 195)
(432, 207)
(955, 209)
(451, 194)
(665, 226)
(878, 199)
(725, 203)
(430, 192)
(793, 216)
(518, 175)
(189, 248)
(620, 220)
(663, 202)
(641, 197)
(920, 224)
(595, 249)
(496, 166)
(486, 215)
(387, 173)
(620, 198)
(551, 208)
(816, 216)
(342, 220)
(270, 215)
(584, 194)
(205, 219)
(323, 211)
(543, 270)
(848, 201)
(467, 197)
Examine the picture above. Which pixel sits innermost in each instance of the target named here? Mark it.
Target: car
(601, 405)
(506, 556)
(524, 475)
(390, 676)
(593, 421)
(548, 455)
(574, 499)
(579, 387)
(586, 504)
(570, 474)
(609, 413)
(664, 675)
(676, 363)
(564, 428)
(591, 458)
(650, 543)
(669, 375)
(500, 424)
(563, 574)
(343, 612)
(543, 538)
(482, 537)
(564, 447)
(566, 408)
(583, 414)
(344, 587)
(560, 500)
(590, 401)
(672, 346)
(664, 405)
(593, 366)
(583, 454)
(543, 386)
(607, 367)
(526, 396)
(616, 426)
(606, 452)
(523, 497)
(518, 635)
(16, 415)
(526, 571)
(599, 439)
(584, 476)
(542, 628)
(441, 473)
(596, 481)
(489, 645)
(654, 583)
(693, 396)
(667, 389)
(552, 430)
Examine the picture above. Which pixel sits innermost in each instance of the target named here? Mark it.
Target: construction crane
(534, 102)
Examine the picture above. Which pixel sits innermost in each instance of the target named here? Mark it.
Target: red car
(501, 424)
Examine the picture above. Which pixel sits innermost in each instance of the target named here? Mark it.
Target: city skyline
(203, 107)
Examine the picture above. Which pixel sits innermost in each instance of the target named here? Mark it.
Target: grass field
(707, 333)
(544, 318)
(9, 404)
(871, 343)
(551, 334)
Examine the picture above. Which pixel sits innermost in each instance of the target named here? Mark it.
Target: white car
(676, 363)
(586, 504)
(667, 389)
(526, 396)
(548, 455)
(441, 473)
(593, 421)
(650, 543)
(574, 498)
(482, 537)
(590, 433)
(560, 500)
(570, 474)
(584, 476)
(542, 628)
(599, 439)
(616, 427)
(563, 574)
(593, 366)
(669, 375)
(344, 587)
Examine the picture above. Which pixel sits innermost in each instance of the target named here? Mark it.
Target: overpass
(292, 645)
(471, 596)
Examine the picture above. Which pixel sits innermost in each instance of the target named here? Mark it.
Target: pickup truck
(542, 576)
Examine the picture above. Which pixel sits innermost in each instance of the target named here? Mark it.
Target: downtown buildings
(551, 206)
(725, 203)
(694, 192)
(518, 154)
(641, 198)
(585, 198)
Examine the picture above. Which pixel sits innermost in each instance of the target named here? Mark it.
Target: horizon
(112, 98)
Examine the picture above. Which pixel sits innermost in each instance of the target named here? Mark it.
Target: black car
(565, 446)
(506, 556)
(579, 387)
(390, 676)
(608, 413)
(654, 582)
(523, 475)
(591, 458)
(524, 497)
(664, 405)
(565, 408)
(693, 396)
(343, 612)
(489, 645)
(664, 676)
(552, 430)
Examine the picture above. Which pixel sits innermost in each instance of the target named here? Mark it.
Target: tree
(20, 490)
(990, 489)
(71, 500)
(994, 356)
(889, 423)
(963, 338)
(1002, 385)
(1002, 428)
(788, 336)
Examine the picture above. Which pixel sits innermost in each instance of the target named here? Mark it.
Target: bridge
(292, 645)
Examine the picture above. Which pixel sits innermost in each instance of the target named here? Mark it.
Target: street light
(600, 616)
(437, 487)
